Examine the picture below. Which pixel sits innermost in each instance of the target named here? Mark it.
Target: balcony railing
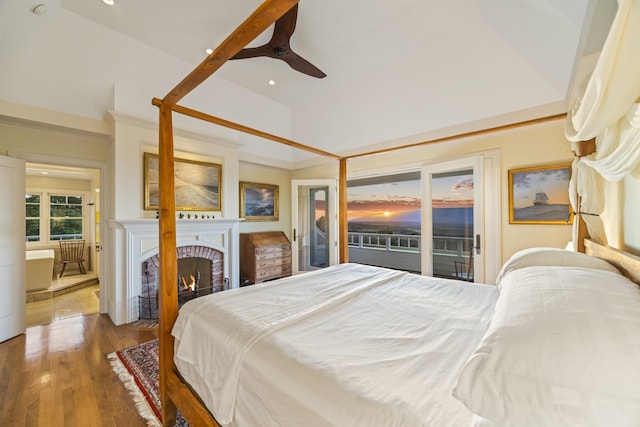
(402, 251)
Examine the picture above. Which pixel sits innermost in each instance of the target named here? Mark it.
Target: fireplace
(200, 272)
(137, 242)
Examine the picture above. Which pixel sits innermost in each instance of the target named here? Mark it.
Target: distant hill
(452, 216)
(444, 216)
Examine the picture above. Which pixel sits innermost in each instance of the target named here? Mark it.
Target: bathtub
(39, 269)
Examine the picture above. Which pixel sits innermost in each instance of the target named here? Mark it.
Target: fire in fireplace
(200, 272)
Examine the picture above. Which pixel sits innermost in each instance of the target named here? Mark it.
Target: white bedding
(350, 345)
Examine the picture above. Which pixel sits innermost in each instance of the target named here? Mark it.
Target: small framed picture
(258, 202)
(540, 195)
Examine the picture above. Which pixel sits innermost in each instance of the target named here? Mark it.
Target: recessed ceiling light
(209, 51)
(272, 82)
(39, 9)
(109, 2)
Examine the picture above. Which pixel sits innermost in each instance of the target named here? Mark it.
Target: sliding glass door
(453, 218)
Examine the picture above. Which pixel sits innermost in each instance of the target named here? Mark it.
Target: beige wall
(17, 141)
(535, 145)
(251, 172)
(58, 183)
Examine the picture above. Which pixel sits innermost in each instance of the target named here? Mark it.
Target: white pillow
(563, 349)
(532, 257)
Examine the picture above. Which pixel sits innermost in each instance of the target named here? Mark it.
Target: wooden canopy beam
(170, 394)
(582, 149)
(265, 15)
(236, 126)
(463, 135)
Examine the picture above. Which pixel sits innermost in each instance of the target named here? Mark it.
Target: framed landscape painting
(540, 195)
(197, 184)
(258, 202)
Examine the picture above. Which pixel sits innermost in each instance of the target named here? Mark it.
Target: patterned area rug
(137, 368)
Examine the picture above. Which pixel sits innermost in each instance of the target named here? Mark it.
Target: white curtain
(608, 108)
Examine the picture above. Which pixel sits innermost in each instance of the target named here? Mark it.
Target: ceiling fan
(278, 47)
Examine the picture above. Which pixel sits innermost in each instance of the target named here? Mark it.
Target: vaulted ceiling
(396, 69)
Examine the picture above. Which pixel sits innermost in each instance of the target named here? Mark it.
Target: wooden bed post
(173, 392)
(343, 228)
(581, 149)
(168, 260)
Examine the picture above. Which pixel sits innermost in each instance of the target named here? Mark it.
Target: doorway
(314, 224)
(63, 203)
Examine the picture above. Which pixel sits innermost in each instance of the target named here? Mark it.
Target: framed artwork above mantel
(197, 184)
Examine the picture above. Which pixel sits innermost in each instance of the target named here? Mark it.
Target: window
(65, 217)
(53, 216)
(32, 218)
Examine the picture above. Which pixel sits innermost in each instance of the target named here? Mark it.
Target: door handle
(294, 234)
(477, 247)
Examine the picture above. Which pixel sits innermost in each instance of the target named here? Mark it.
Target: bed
(356, 345)
(555, 342)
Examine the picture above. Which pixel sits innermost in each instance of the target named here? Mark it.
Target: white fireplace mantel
(138, 239)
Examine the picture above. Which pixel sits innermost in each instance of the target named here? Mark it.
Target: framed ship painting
(540, 195)
(197, 184)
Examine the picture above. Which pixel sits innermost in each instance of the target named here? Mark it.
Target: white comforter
(350, 345)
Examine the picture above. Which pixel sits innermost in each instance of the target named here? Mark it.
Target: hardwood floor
(58, 374)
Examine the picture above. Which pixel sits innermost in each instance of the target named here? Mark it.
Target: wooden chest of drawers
(264, 256)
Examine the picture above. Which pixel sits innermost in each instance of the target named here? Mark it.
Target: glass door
(453, 220)
(313, 218)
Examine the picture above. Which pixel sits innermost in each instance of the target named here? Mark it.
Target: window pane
(74, 211)
(58, 199)
(384, 215)
(74, 200)
(33, 211)
(64, 229)
(32, 198)
(33, 230)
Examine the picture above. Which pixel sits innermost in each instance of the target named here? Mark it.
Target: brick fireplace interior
(198, 266)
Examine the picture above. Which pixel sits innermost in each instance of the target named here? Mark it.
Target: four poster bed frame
(175, 393)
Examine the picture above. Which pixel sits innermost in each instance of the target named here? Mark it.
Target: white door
(459, 219)
(314, 224)
(12, 248)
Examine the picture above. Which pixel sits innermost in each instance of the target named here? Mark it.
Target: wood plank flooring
(58, 374)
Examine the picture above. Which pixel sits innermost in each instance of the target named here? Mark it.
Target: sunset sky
(385, 201)
(452, 191)
(372, 201)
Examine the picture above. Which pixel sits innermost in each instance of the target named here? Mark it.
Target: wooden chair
(464, 270)
(72, 251)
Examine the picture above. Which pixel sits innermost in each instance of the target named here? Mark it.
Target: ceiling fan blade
(279, 48)
(298, 63)
(252, 52)
(284, 28)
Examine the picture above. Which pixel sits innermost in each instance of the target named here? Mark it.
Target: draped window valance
(607, 108)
